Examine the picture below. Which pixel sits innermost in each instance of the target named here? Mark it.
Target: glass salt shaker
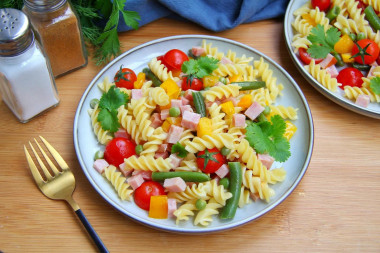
(57, 28)
(26, 81)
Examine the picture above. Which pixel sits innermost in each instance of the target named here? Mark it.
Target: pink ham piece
(175, 160)
(100, 164)
(146, 175)
(332, 71)
(164, 114)
(122, 133)
(185, 101)
(198, 51)
(254, 110)
(363, 100)
(175, 184)
(172, 206)
(225, 60)
(371, 70)
(238, 120)
(185, 108)
(136, 94)
(266, 160)
(190, 120)
(222, 171)
(189, 94)
(126, 172)
(174, 134)
(162, 148)
(164, 155)
(232, 99)
(326, 61)
(176, 103)
(156, 120)
(135, 181)
(179, 83)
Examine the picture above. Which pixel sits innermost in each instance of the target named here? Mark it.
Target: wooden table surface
(335, 208)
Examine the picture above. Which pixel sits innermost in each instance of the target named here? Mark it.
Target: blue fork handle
(102, 248)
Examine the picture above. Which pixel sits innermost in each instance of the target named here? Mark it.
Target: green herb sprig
(199, 68)
(322, 42)
(179, 150)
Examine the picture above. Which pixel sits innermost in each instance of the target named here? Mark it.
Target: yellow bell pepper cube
(171, 88)
(228, 108)
(235, 78)
(171, 121)
(204, 127)
(209, 81)
(140, 80)
(245, 101)
(347, 58)
(344, 45)
(290, 130)
(158, 207)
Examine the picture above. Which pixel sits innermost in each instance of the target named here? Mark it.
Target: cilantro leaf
(179, 150)
(268, 137)
(201, 67)
(108, 119)
(375, 85)
(322, 42)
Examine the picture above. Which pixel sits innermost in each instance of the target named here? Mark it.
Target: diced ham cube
(185, 101)
(326, 62)
(332, 71)
(179, 82)
(146, 175)
(174, 134)
(222, 171)
(363, 100)
(172, 206)
(126, 172)
(189, 94)
(371, 70)
(238, 120)
(162, 155)
(266, 160)
(176, 103)
(164, 114)
(175, 184)
(254, 110)
(156, 120)
(225, 60)
(190, 120)
(135, 181)
(100, 164)
(254, 196)
(122, 133)
(198, 51)
(175, 160)
(162, 148)
(185, 108)
(136, 94)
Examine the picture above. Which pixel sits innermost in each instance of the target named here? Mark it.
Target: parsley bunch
(199, 68)
(268, 137)
(322, 42)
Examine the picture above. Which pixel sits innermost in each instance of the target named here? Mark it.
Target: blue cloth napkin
(214, 15)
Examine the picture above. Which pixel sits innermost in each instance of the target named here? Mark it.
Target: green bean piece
(225, 182)
(333, 13)
(372, 17)
(200, 204)
(174, 112)
(150, 75)
(99, 155)
(139, 149)
(187, 176)
(352, 36)
(236, 178)
(360, 36)
(339, 59)
(225, 151)
(223, 80)
(250, 85)
(94, 102)
(361, 67)
(261, 117)
(267, 110)
(199, 103)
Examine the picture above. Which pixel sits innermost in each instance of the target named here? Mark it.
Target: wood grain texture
(334, 208)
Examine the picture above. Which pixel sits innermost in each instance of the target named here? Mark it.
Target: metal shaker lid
(15, 32)
(44, 5)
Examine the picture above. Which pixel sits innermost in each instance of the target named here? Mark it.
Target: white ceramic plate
(137, 58)
(373, 110)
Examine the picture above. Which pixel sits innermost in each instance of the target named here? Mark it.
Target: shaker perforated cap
(15, 33)
(44, 5)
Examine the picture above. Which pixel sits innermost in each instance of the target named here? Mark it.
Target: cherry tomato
(321, 4)
(350, 76)
(118, 149)
(306, 58)
(195, 84)
(174, 58)
(372, 50)
(214, 159)
(145, 191)
(125, 78)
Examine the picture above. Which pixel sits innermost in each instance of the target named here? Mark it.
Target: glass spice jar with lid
(26, 81)
(57, 28)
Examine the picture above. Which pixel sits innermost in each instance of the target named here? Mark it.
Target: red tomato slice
(174, 59)
(211, 166)
(118, 149)
(321, 4)
(145, 191)
(125, 78)
(351, 77)
(306, 58)
(372, 49)
(196, 84)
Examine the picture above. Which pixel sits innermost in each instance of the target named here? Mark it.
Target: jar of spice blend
(57, 28)
(26, 82)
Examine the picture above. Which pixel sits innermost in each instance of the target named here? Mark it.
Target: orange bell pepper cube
(228, 108)
(344, 45)
(158, 207)
(204, 127)
(245, 101)
(171, 88)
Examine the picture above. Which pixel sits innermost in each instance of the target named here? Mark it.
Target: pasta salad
(193, 135)
(338, 43)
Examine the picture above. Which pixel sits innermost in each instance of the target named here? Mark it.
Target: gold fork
(59, 186)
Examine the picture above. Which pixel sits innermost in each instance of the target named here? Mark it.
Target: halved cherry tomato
(145, 191)
(321, 4)
(195, 84)
(212, 158)
(118, 149)
(372, 50)
(306, 58)
(174, 58)
(125, 78)
(351, 77)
